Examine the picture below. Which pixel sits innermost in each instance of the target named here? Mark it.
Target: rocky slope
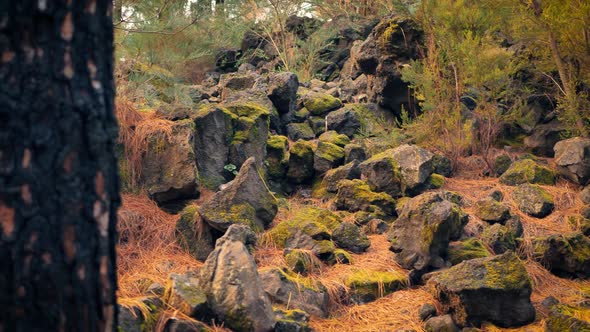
(312, 217)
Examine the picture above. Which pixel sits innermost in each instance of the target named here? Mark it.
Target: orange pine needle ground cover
(148, 253)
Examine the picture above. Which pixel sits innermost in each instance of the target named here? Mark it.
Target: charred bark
(58, 174)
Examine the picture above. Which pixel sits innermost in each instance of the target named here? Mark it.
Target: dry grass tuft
(547, 284)
(136, 131)
(395, 311)
(147, 250)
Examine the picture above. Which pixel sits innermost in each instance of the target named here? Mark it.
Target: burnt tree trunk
(58, 174)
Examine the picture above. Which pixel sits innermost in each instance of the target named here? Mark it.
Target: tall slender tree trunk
(58, 173)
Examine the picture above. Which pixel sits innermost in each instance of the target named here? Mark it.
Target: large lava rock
(327, 156)
(194, 235)
(234, 290)
(229, 135)
(533, 200)
(285, 288)
(572, 157)
(214, 128)
(382, 173)
(245, 200)
(169, 171)
(391, 44)
(333, 177)
(527, 171)
(301, 162)
(421, 234)
(495, 289)
(565, 255)
(282, 91)
(405, 169)
(344, 121)
(356, 195)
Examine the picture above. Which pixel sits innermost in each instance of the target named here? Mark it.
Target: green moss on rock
(466, 250)
(369, 285)
(527, 171)
(302, 261)
(333, 137)
(321, 103)
(568, 318)
(436, 181)
(356, 195)
(315, 222)
(276, 156)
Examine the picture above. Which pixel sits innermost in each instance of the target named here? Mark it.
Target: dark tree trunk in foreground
(58, 174)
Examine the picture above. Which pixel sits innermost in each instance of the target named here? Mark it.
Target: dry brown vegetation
(136, 130)
(147, 251)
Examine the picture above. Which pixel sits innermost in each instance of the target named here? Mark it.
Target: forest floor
(148, 253)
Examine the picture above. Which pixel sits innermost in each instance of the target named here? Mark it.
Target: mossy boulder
(344, 121)
(292, 321)
(301, 160)
(492, 211)
(276, 156)
(297, 131)
(495, 289)
(317, 124)
(233, 286)
(436, 181)
(566, 255)
(245, 200)
(130, 319)
(251, 130)
(465, 250)
(315, 222)
(349, 236)
(185, 294)
(402, 170)
(214, 130)
(416, 166)
(514, 224)
(169, 172)
(356, 195)
(236, 82)
(333, 177)
(354, 152)
(302, 261)
(567, 318)
(368, 285)
(301, 116)
(282, 91)
(342, 256)
(400, 203)
(420, 236)
(501, 164)
(442, 165)
(527, 171)
(325, 249)
(320, 103)
(296, 291)
(327, 156)
(442, 323)
(572, 157)
(194, 235)
(382, 173)
(533, 200)
(499, 238)
(334, 138)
